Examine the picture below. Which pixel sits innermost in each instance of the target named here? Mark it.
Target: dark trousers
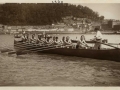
(98, 45)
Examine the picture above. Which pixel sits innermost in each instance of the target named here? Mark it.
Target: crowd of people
(48, 40)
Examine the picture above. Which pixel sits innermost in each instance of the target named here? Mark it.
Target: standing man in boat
(98, 39)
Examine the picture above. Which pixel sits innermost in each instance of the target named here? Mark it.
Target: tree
(43, 13)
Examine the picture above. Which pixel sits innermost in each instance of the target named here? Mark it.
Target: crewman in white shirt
(99, 35)
(98, 39)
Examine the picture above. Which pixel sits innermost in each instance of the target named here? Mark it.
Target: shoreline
(54, 32)
(72, 32)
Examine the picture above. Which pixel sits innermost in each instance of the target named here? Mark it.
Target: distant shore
(74, 32)
(63, 32)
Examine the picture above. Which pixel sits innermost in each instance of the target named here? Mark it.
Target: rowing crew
(46, 40)
(55, 41)
(81, 43)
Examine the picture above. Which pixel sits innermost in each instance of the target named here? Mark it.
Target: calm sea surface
(56, 70)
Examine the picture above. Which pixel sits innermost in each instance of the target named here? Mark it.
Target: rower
(17, 37)
(47, 41)
(27, 38)
(84, 41)
(81, 44)
(33, 39)
(23, 38)
(98, 39)
(67, 41)
(63, 41)
(39, 40)
(55, 41)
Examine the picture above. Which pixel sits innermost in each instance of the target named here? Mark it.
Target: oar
(44, 48)
(31, 44)
(36, 46)
(27, 44)
(37, 50)
(5, 50)
(107, 44)
(114, 43)
(110, 45)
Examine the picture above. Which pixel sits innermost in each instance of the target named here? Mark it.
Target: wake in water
(57, 70)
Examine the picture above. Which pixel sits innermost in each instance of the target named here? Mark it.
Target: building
(110, 24)
(116, 27)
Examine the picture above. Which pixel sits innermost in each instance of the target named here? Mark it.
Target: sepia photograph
(60, 44)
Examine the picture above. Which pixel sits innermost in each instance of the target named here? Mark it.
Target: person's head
(63, 38)
(48, 39)
(39, 37)
(67, 38)
(96, 29)
(56, 38)
(82, 37)
(33, 35)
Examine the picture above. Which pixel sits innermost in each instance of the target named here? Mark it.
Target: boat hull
(107, 54)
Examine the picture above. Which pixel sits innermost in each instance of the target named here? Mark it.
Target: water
(56, 70)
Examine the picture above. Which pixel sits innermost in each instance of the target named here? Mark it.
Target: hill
(43, 13)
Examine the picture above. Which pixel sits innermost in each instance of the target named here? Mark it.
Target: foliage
(42, 13)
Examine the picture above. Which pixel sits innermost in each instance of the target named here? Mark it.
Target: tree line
(43, 13)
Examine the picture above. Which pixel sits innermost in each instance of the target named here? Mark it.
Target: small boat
(103, 54)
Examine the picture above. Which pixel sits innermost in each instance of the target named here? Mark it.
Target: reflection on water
(56, 70)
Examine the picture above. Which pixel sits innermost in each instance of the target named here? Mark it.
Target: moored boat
(103, 54)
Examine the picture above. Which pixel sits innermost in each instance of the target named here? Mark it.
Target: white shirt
(99, 35)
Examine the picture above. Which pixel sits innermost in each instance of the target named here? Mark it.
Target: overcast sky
(109, 10)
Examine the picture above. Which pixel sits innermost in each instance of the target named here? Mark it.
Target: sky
(108, 10)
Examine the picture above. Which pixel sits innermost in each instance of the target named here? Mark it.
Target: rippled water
(56, 70)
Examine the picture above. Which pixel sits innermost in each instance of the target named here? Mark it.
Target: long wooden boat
(106, 54)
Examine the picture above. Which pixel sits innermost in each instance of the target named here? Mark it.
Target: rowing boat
(104, 54)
